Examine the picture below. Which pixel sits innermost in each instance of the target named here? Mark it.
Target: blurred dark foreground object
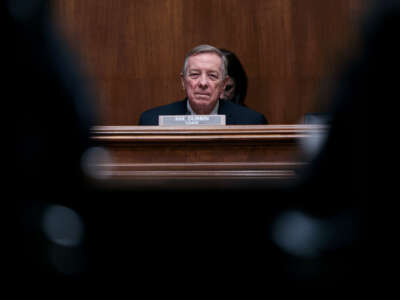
(50, 115)
(64, 234)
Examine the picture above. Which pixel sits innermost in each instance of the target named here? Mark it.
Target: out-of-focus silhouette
(236, 88)
(336, 184)
(48, 102)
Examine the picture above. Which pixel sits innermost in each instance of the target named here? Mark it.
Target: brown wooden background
(133, 50)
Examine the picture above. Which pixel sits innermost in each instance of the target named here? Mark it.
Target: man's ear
(183, 82)
(224, 83)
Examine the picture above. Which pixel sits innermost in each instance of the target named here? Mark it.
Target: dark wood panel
(143, 156)
(134, 50)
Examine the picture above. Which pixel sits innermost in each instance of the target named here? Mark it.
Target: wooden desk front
(143, 156)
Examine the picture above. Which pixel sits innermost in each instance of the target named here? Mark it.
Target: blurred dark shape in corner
(236, 89)
(49, 97)
(339, 171)
(47, 100)
(335, 186)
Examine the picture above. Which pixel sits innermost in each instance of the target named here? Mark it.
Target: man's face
(203, 81)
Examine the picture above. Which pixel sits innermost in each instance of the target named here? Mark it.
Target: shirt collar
(191, 111)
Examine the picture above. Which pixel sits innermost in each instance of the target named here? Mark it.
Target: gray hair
(206, 49)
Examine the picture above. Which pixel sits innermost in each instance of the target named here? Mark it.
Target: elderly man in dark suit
(204, 77)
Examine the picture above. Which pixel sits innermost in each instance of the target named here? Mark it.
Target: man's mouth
(202, 95)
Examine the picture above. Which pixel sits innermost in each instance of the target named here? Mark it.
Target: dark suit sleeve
(263, 120)
(148, 118)
(258, 119)
(142, 120)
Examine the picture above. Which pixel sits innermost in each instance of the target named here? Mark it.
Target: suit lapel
(224, 110)
(183, 107)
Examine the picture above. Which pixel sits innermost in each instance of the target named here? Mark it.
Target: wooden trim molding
(196, 133)
(174, 156)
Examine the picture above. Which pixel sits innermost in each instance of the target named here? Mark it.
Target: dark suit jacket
(235, 114)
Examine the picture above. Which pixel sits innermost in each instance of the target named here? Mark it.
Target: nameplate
(187, 120)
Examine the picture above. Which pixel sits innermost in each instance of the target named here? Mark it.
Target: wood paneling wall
(133, 50)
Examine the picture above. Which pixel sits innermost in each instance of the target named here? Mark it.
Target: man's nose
(203, 81)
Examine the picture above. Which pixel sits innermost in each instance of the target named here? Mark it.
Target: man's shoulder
(167, 107)
(243, 114)
(150, 116)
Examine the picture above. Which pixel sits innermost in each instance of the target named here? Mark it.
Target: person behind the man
(204, 77)
(236, 87)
